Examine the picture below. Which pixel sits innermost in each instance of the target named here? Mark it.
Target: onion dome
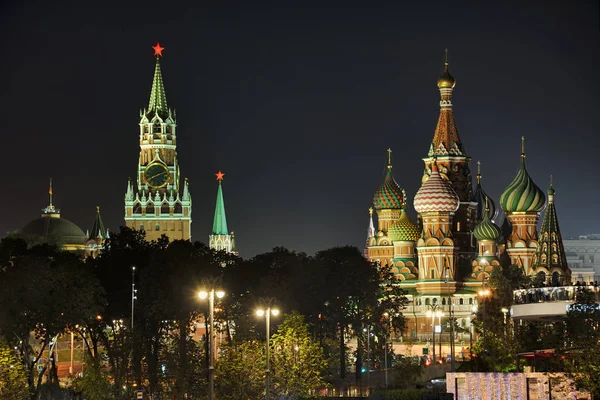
(486, 229)
(436, 194)
(404, 229)
(522, 195)
(389, 195)
(480, 197)
(446, 80)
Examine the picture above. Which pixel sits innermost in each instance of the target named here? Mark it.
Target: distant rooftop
(589, 236)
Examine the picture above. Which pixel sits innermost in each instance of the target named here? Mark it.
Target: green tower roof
(220, 221)
(522, 195)
(550, 251)
(158, 98)
(389, 194)
(404, 229)
(486, 229)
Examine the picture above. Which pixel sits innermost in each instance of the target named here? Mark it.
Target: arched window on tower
(137, 208)
(150, 208)
(178, 208)
(156, 127)
(164, 209)
(461, 301)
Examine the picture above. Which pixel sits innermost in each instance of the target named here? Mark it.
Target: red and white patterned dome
(436, 195)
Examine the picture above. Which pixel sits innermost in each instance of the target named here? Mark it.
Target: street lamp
(483, 294)
(210, 295)
(267, 312)
(432, 314)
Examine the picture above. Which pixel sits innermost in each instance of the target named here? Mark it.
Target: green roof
(220, 221)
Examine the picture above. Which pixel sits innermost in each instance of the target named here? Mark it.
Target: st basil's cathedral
(447, 256)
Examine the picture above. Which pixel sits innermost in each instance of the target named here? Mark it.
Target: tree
(240, 371)
(13, 377)
(582, 325)
(297, 359)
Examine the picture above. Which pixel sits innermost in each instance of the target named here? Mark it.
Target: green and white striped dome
(522, 195)
(486, 229)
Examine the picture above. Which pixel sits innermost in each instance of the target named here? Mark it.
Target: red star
(220, 176)
(158, 49)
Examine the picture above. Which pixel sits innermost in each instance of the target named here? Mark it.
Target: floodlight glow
(203, 294)
(275, 312)
(220, 294)
(260, 313)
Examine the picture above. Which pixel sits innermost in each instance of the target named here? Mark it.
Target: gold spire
(446, 81)
(389, 166)
(487, 207)
(97, 209)
(50, 194)
(371, 211)
(479, 174)
(522, 147)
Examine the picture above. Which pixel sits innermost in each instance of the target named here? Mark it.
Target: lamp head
(260, 313)
(275, 312)
(203, 294)
(220, 294)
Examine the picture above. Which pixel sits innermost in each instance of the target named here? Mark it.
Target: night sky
(297, 103)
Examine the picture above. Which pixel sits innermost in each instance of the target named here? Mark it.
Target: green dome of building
(54, 230)
(522, 195)
(389, 195)
(404, 229)
(486, 229)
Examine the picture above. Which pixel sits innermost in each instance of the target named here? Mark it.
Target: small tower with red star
(221, 238)
(157, 201)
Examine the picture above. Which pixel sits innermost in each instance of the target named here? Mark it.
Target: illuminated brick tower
(389, 201)
(436, 202)
(550, 259)
(220, 238)
(453, 165)
(522, 202)
(158, 203)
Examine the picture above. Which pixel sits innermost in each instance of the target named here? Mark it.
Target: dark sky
(296, 102)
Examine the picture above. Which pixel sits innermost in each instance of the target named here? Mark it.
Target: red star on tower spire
(158, 49)
(220, 176)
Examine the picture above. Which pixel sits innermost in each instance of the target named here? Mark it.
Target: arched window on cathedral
(150, 208)
(427, 301)
(141, 227)
(470, 301)
(164, 209)
(137, 208)
(444, 301)
(554, 258)
(461, 301)
(157, 227)
(434, 300)
(156, 128)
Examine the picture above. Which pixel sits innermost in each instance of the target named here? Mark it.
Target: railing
(551, 294)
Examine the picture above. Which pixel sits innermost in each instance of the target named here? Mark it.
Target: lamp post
(451, 316)
(385, 351)
(210, 295)
(483, 294)
(440, 314)
(133, 294)
(267, 312)
(434, 312)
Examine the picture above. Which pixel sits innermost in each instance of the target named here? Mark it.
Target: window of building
(157, 227)
(427, 301)
(461, 301)
(141, 227)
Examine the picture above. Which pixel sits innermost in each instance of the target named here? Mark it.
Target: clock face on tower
(157, 175)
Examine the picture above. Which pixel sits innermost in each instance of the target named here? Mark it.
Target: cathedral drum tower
(157, 204)
(522, 202)
(453, 165)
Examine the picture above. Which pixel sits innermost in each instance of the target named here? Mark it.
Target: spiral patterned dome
(436, 194)
(486, 229)
(404, 229)
(522, 195)
(389, 195)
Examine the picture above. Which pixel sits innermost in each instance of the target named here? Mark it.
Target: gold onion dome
(389, 195)
(446, 80)
(486, 229)
(404, 229)
(436, 195)
(522, 195)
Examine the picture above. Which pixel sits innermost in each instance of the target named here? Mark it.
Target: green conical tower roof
(98, 229)
(550, 252)
(220, 221)
(486, 229)
(158, 98)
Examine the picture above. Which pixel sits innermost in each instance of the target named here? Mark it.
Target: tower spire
(220, 220)
(50, 205)
(479, 173)
(523, 148)
(389, 163)
(158, 98)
